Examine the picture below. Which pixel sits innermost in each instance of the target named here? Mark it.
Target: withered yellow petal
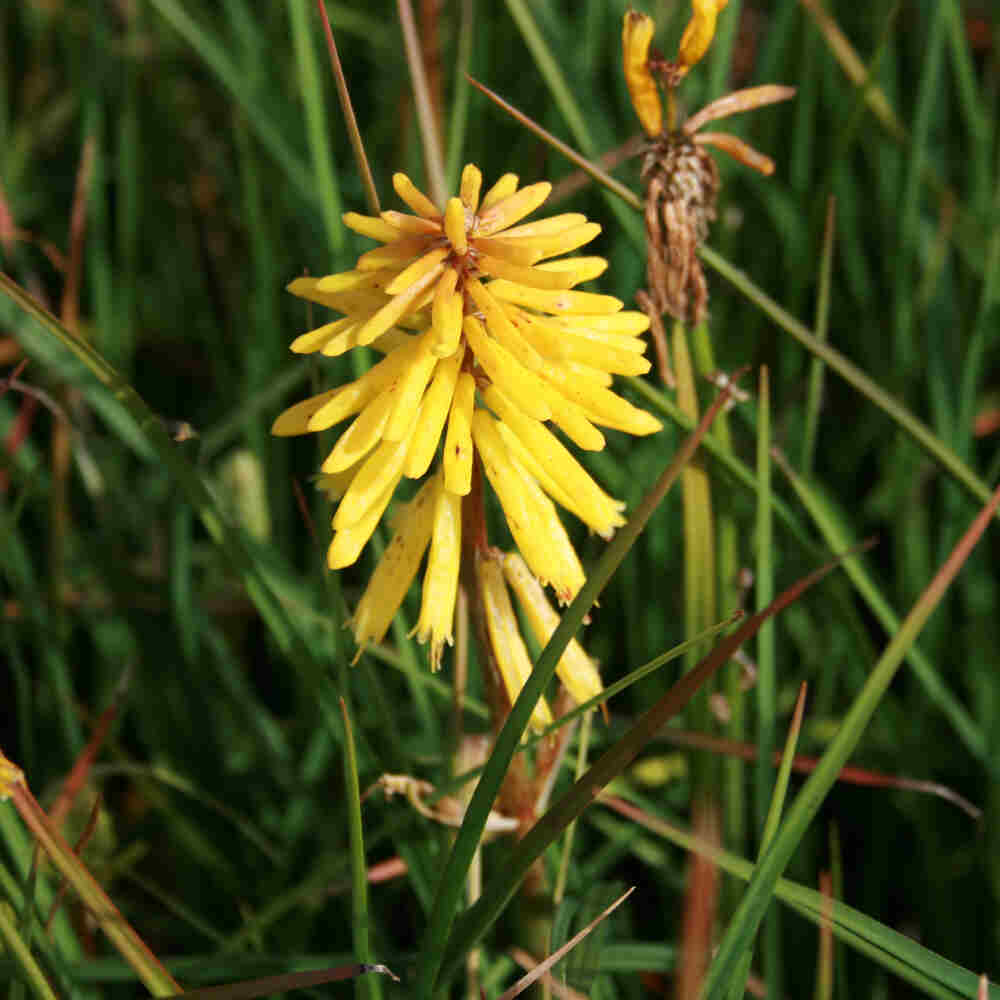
(700, 30)
(637, 34)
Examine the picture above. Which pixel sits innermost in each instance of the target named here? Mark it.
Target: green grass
(230, 835)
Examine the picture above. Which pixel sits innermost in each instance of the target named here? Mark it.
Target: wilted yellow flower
(485, 341)
(700, 31)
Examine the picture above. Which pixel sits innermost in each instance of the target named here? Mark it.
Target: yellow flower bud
(637, 34)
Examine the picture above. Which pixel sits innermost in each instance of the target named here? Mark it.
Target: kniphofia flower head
(486, 341)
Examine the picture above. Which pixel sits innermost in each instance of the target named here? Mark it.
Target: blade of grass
(251, 988)
(317, 129)
(21, 953)
(737, 985)
(853, 375)
(460, 97)
(496, 895)
(453, 877)
(369, 986)
(836, 536)
(758, 895)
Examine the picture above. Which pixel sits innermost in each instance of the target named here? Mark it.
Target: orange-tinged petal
(393, 255)
(533, 277)
(554, 302)
(558, 243)
(412, 225)
(366, 225)
(700, 31)
(551, 226)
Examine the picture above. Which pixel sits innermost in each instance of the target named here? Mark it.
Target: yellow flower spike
(603, 406)
(637, 35)
(525, 388)
(470, 185)
(437, 606)
(412, 225)
(415, 271)
(700, 31)
(509, 651)
(503, 188)
(317, 339)
(576, 670)
(446, 315)
(348, 542)
(454, 225)
(530, 515)
(501, 328)
(512, 209)
(389, 314)
(554, 302)
(396, 569)
(10, 776)
(411, 390)
(382, 466)
(433, 414)
(414, 197)
(364, 433)
(458, 441)
(376, 229)
(595, 508)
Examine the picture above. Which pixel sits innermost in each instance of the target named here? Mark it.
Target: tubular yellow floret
(415, 271)
(637, 35)
(559, 243)
(446, 315)
(410, 391)
(504, 188)
(376, 229)
(583, 268)
(555, 302)
(603, 406)
(501, 328)
(433, 414)
(576, 670)
(437, 606)
(414, 197)
(511, 209)
(454, 225)
(594, 507)
(533, 277)
(317, 339)
(469, 186)
(348, 542)
(458, 441)
(364, 433)
(393, 256)
(412, 225)
(381, 467)
(509, 651)
(526, 389)
(544, 227)
(396, 569)
(394, 310)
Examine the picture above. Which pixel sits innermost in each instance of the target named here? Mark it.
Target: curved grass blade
(758, 895)
(251, 988)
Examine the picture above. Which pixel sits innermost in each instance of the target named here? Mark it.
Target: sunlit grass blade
(747, 918)
(251, 988)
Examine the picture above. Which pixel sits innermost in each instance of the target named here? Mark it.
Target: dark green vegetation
(218, 168)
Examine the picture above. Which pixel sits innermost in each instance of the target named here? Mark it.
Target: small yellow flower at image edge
(485, 342)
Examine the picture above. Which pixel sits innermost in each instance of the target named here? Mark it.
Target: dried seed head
(682, 183)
